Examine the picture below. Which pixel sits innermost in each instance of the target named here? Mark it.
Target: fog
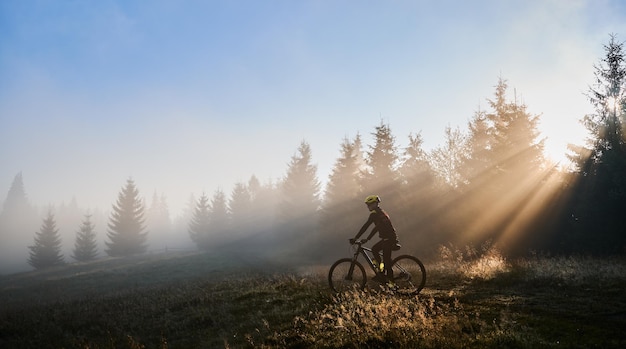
(194, 98)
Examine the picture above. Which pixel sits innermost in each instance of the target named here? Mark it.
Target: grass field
(194, 300)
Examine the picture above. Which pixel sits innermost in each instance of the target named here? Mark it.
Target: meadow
(472, 299)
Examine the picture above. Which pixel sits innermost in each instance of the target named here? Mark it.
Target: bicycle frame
(362, 250)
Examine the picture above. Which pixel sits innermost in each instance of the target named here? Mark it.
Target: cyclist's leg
(376, 248)
(387, 248)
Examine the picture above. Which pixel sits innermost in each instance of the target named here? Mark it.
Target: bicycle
(346, 273)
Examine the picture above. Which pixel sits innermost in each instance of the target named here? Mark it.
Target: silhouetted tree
(16, 201)
(477, 167)
(18, 220)
(420, 196)
(46, 252)
(159, 222)
(265, 199)
(219, 216)
(298, 209)
(495, 171)
(447, 159)
(200, 224)
(239, 209)
(381, 175)
(300, 188)
(126, 224)
(596, 222)
(85, 246)
(342, 209)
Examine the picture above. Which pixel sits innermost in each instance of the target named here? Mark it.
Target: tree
(126, 224)
(239, 209)
(219, 217)
(419, 194)
(18, 220)
(299, 206)
(447, 159)
(342, 207)
(85, 246)
(382, 161)
(159, 222)
(343, 182)
(599, 188)
(300, 188)
(494, 171)
(46, 252)
(16, 201)
(200, 224)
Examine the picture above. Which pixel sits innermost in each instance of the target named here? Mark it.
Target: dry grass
(472, 299)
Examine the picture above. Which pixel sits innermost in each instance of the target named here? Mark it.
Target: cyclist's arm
(372, 233)
(370, 220)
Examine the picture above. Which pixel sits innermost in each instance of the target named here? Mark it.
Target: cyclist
(387, 234)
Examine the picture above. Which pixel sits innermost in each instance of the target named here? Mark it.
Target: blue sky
(192, 96)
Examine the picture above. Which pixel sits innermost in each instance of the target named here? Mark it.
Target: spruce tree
(126, 225)
(342, 210)
(595, 223)
(158, 222)
(219, 216)
(447, 159)
(18, 219)
(381, 176)
(298, 210)
(46, 252)
(85, 246)
(300, 187)
(239, 209)
(504, 169)
(200, 223)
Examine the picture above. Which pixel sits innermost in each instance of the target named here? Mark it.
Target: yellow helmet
(372, 199)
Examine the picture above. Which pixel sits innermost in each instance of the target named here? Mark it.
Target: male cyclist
(387, 234)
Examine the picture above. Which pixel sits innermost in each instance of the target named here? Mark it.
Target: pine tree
(239, 209)
(264, 201)
(298, 210)
(18, 219)
(85, 246)
(200, 223)
(418, 195)
(16, 201)
(599, 199)
(46, 252)
(219, 216)
(515, 148)
(159, 222)
(126, 224)
(342, 210)
(503, 167)
(300, 187)
(478, 165)
(381, 174)
(448, 159)
(343, 182)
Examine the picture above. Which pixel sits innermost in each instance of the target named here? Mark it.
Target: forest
(488, 184)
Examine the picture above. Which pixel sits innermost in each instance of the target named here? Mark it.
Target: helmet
(372, 199)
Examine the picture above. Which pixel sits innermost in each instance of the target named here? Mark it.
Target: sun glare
(613, 105)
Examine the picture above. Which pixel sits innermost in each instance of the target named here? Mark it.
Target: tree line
(489, 183)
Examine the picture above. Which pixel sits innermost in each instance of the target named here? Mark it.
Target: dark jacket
(382, 225)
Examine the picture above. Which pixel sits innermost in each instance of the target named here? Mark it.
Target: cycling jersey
(382, 225)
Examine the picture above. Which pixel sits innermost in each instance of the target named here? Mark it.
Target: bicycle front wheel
(345, 274)
(409, 274)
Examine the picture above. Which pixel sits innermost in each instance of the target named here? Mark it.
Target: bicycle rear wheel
(344, 275)
(409, 274)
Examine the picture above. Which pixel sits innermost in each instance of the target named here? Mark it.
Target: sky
(192, 96)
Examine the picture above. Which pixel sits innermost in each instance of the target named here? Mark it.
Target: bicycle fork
(351, 270)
